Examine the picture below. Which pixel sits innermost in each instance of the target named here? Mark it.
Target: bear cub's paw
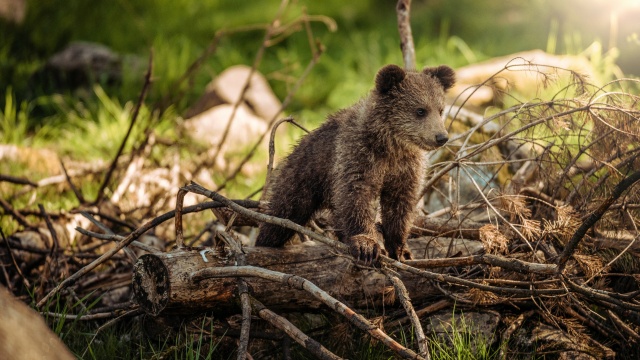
(400, 252)
(365, 248)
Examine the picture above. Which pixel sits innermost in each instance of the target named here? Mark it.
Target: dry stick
(403, 9)
(600, 295)
(243, 290)
(73, 187)
(506, 335)
(114, 237)
(88, 317)
(292, 331)
(237, 207)
(17, 180)
(178, 218)
(403, 295)
(272, 145)
(15, 263)
(133, 236)
(285, 103)
(594, 217)
(114, 220)
(518, 265)
(97, 223)
(258, 59)
(7, 279)
(134, 118)
(245, 329)
(590, 321)
(300, 283)
(624, 251)
(16, 214)
(54, 236)
(616, 320)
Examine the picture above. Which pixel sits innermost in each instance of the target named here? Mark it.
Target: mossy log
(162, 283)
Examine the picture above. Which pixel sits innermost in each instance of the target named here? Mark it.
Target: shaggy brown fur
(372, 151)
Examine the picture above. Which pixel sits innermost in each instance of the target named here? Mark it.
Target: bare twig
(293, 332)
(622, 325)
(272, 145)
(134, 118)
(114, 237)
(403, 296)
(25, 281)
(54, 236)
(73, 187)
(16, 214)
(245, 329)
(178, 218)
(17, 180)
(488, 259)
(96, 316)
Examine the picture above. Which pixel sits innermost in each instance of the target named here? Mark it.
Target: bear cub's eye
(421, 112)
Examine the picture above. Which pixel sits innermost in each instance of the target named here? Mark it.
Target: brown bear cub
(368, 154)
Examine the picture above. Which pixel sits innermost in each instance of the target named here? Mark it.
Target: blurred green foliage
(180, 30)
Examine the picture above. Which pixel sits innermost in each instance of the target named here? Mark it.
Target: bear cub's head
(412, 104)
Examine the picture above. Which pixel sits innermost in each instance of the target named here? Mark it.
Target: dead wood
(162, 282)
(621, 187)
(403, 11)
(293, 332)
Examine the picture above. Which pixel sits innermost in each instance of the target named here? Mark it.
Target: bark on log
(162, 282)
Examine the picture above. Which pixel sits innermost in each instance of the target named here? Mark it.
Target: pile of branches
(546, 188)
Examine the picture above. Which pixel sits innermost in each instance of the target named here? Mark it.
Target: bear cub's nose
(441, 139)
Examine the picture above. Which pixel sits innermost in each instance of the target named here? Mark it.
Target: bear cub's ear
(444, 74)
(388, 77)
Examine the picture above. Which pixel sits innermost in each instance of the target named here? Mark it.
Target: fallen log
(163, 283)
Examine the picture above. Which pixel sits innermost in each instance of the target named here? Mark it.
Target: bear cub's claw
(365, 248)
(401, 252)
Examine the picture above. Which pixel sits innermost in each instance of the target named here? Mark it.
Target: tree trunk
(162, 282)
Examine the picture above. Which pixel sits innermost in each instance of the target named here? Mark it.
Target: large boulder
(227, 89)
(526, 72)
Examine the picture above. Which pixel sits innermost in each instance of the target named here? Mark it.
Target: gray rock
(79, 64)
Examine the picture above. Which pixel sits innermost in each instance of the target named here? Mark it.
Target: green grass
(459, 343)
